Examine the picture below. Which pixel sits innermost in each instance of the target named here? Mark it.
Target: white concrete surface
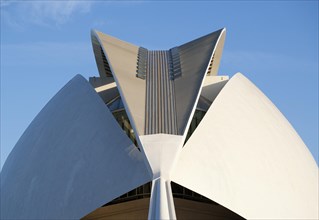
(122, 57)
(195, 57)
(212, 86)
(244, 154)
(247, 157)
(72, 159)
(161, 202)
(105, 87)
(162, 151)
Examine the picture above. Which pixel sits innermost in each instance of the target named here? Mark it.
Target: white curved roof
(243, 155)
(247, 157)
(72, 159)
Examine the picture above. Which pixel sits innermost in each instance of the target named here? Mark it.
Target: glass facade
(117, 108)
(198, 116)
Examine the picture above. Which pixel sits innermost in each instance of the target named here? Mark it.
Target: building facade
(159, 135)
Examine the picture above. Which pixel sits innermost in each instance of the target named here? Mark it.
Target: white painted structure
(244, 154)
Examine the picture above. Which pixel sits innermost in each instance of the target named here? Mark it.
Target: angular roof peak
(152, 83)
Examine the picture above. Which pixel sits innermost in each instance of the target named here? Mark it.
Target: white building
(195, 145)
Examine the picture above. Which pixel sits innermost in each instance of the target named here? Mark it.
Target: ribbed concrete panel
(160, 97)
(195, 58)
(247, 157)
(72, 159)
(122, 57)
(180, 69)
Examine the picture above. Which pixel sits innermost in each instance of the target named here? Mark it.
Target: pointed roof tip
(93, 33)
(214, 35)
(221, 31)
(238, 73)
(224, 30)
(93, 30)
(79, 76)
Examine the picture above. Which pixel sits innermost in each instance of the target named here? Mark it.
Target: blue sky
(45, 43)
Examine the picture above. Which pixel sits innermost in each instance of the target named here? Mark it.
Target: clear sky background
(45, 43)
